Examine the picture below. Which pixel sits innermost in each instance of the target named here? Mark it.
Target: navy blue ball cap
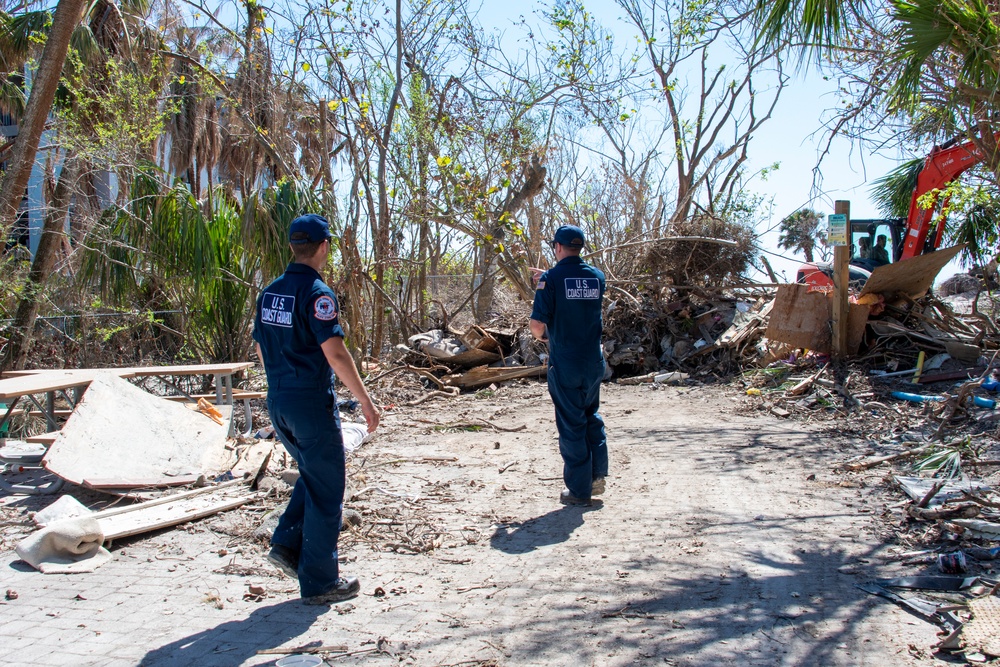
(570, 236)
(309, 228)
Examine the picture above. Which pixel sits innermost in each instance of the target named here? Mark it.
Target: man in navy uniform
(301, 344)
(567, 314)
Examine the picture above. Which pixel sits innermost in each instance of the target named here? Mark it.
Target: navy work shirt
(295, 315)
(568, 302)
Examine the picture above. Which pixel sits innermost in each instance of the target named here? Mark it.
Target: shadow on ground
(235, 642)
(551, 528)
(798, 610)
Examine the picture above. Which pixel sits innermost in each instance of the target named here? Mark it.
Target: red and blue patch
(325, 309)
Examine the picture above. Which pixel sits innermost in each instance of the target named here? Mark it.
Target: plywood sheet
(802, 318)
(120, 433)
(910, 277)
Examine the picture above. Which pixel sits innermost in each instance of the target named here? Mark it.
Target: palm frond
(946, 461)
(85, 44)
(978, 230)
(963, 29)
(12, 98)
(268, 217)
(816, 24)
(892, 193)
(16, 34)
(136, 7)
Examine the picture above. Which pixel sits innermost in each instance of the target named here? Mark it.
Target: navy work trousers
(576, 394)
(308, 425)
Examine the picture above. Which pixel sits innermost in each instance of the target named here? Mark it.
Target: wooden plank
(237, 395)
(193, 369)
(173, 497)
(485, 376)
(949, 375)
(106, 483)
(136, 371)
(61, 412)
(147, 519)
(252, 457)
(840, 312)
(43, 438)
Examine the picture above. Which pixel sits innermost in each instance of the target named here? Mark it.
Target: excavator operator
(879, 253)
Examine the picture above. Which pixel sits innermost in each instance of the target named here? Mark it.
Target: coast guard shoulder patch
(325, 309)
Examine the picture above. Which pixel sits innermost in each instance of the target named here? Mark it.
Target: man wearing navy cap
(568, 309)
(301, 344)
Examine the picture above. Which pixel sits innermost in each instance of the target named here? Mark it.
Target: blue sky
(793, 137)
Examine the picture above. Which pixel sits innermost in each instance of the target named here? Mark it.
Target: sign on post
(837, 234)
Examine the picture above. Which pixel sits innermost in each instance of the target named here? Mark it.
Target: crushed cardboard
(910, 277)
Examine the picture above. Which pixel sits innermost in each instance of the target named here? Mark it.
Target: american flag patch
(541, 285)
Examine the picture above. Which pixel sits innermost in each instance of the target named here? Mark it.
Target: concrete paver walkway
(712, 547)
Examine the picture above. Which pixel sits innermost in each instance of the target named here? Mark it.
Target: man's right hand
(371, 415)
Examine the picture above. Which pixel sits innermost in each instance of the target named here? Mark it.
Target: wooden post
(841, 276)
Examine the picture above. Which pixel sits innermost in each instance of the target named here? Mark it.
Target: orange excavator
(913, 235)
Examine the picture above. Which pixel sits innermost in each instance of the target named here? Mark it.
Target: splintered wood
(206, 408)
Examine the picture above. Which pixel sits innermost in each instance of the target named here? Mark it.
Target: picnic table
(71, 383)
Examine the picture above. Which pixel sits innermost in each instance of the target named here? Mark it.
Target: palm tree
(208, 264)
(801, 231)
(940, 61)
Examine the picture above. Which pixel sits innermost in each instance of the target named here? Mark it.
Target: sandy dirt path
(714, 545)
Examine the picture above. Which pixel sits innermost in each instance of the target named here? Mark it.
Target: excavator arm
(943, 165)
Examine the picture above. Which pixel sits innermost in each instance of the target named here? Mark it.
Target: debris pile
(952, 531)
(919, 348)
(653, 328)
(697, 252)
(646, 334)
(704, 336)
(449, 361)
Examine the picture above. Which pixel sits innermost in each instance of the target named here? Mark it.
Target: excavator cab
(892, 229)
(864, 234)
(923, 228)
